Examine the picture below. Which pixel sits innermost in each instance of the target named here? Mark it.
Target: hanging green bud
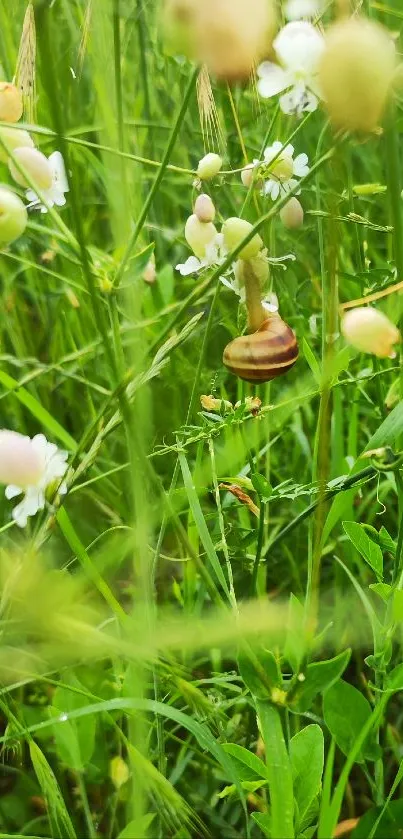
(36, 165)
(233, 35)
(292, 214)
(13, 216)
(356, 72)
(234, 230)
(13, 138)
(209, 166)
(11, 105)
(199, 234)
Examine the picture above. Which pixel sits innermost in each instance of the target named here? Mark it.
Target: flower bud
(36, 165)
(211, 403)
(247, 175)
(233, 35)
(13, 138)
(369, 330)
(149, 273)
(13, 217)
(198, 234)
(204, 208)
(209, 166)
(11, 105)
(356, 72)
(119, 771)
(20, 462)
(234, 230)
(292, 214)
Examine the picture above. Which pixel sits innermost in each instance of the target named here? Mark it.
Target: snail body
(263, 355)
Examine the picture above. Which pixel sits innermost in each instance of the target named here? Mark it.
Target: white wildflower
(298, 47)
(29, 466)
(284, 171)
(302, 9)
(55, 193)
(214, 254)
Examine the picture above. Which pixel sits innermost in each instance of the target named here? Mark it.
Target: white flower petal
(288, 151)
(59, 171)
(299, 46)
(191, 266)
(12, 491)
(275, 190)
(272, 79)
(298, 9)
(300, 165)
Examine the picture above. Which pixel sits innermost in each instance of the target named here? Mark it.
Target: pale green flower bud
(199, 234)
(13, 216)
(204, 208)
(11, 105)
(292, 214)
(356, 72)
(233, 35)
(13, 138)
(234, 230)
(37, 166)
(209, 166)
(118, 771)
(247, 175)
(369, 330)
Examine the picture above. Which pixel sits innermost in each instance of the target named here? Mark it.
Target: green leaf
(260, 671)
(319, 676)
(365, 546)
(248, 786)
(76, 739)
(262, 486)
(200, 523)
(264, 822)
(138, 827)
(278, 772)
(245, 758)
(45, 419)
(59, 818)
(312, 361)
(383, 590)
(346, 711)
(307, 759)
(398, 606)
(389, 826)
(295, 642)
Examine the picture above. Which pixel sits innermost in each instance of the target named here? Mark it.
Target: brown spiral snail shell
(263, 355)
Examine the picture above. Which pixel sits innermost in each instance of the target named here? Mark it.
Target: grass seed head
(13, 216)
(11, 104)
(369, 330)
(356, 73)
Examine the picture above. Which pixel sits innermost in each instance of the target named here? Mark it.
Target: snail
(263, 355)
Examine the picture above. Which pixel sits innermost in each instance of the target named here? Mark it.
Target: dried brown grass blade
(209, 118)
(25, 72)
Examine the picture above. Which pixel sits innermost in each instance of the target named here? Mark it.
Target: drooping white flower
(56, 192)
(302, 9)
(284, 171)
(214, 254)
(298, 47)
(29, 466)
